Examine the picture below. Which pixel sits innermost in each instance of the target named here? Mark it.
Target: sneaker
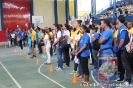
(126, 83)
(120, 80)
(43, 56)
(65, 66)
(74, 72)
(59, 70)
(32, 56)
(56, 68)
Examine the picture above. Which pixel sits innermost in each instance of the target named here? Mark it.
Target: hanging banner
(107, 68)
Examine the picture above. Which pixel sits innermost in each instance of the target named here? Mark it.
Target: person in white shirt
(47, 39)
(65, 50)
(57, 36)
(12, 38)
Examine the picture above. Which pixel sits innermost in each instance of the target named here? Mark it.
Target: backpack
(96, 45)
(129, 46)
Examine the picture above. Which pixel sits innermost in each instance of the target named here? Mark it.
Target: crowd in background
(81, 42)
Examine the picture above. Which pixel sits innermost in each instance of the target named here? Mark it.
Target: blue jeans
(59, 56)
(30, 51)
(94, 53)
(80, 71)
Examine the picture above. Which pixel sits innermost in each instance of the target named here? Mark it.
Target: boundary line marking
(10, 75)
(94, 78)
(48, 77)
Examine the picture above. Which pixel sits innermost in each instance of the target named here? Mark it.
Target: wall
(61, 12)
(16, 12)
(44, 8)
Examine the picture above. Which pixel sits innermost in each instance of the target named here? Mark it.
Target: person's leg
(126, 65)
(11, 42)
(48, 54)
(84, 64)
(67, 57)
(20, 43)
(131, 62)
(80, 71)
(95, 59)
(30, 51)
(60, 59)
(51, 50)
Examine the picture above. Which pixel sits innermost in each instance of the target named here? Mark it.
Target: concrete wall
(45, 8)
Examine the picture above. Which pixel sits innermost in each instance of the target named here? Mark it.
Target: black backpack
(96, 45)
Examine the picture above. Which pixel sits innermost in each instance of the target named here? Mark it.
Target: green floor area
(26, 75)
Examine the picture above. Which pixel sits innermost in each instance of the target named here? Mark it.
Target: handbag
(63, 43)
(41, 43)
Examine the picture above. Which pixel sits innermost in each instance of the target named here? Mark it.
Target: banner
(107, 68)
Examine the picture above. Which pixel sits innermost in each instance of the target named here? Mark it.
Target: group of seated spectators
(125, 9)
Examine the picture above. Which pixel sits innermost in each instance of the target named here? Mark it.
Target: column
(31, 11)
(56, 11)
(114, 11)
(93, 7)
(110, 3)
(1, 16)
(67, 11)
(76, 8)
(71, 8)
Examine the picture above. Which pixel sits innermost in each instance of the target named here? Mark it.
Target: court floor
(18, 72)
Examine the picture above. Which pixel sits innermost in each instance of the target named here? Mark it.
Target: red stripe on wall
(3, 36)
(16, 12)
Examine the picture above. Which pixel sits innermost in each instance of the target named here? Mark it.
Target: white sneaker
(126, 83)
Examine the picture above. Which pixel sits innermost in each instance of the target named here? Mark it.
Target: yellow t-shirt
(77, 32)
(51, 34)
(42, 36)
(115, 34)
(72, 32)
(131, 30)
(33, 37)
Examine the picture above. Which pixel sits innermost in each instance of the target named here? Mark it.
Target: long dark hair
(46, 32)
(58, 27)
(85, 28)
(67, 27)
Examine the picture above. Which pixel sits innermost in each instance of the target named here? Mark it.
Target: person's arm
(123, 36)
(86, 42)
(104, 37)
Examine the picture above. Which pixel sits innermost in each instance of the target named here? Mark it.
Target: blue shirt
(20, 35)
(96, 36)
(39, 36)
(122, 35)
(29, 39)
(108, 35)
(85, 39)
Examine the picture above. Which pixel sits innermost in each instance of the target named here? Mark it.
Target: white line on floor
(11, 75)
(94, 78)
(48, 77)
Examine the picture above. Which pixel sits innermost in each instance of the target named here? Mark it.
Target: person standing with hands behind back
(83, 53)
(33, 42)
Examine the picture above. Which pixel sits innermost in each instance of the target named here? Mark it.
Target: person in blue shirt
(24, 37)
(20, 38)
(29, 42)
(106, 39)
(83, 53)
(122, 40)
(95, 49)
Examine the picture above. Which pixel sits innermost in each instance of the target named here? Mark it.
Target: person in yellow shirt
(115, 34)
(75, 38)
(130, 27)
(33, 42)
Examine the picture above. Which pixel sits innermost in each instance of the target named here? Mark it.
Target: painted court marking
(94, 78)
(11, 75)
(48, 77)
